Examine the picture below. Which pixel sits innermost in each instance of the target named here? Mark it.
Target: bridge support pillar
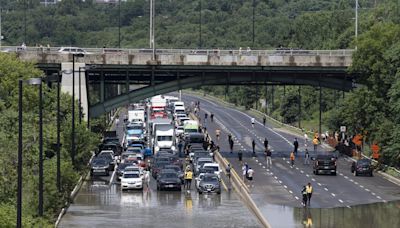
(66, 84)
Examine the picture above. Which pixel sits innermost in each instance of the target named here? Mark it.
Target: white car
(72, 50)
(214, 166)
(131, 180)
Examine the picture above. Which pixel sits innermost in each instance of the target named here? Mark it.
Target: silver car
(210, 183)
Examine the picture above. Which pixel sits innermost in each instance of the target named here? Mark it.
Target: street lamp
(80, 96)
(200, 41)
(32, 81)
(73, 107)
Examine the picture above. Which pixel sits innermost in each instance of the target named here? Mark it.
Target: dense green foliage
(308, 24)
(11, 70)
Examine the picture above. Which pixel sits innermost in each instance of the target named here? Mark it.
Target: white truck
(136, 116)
(164, 136)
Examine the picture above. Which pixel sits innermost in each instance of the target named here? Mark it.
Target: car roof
(132, 172)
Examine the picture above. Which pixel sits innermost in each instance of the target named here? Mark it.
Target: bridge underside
(159, 79)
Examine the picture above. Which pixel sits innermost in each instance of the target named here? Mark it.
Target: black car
(99, 167)
(362, 166)
(169, 180)
(156, 167)
(109, 158)
(116, 147)
(324, 163)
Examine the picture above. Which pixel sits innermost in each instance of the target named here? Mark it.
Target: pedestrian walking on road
(240, 155)
(180, 146)
(266, 143)
(296, 146)
(292, 158)
(188, 178)
(231, 145)
(244, 171)
(228, 172)
(309, 190)
(305, 139)
(253, 145)
(315, 143)
(147, 179)
(217, 133)
(229, 138)
(306, 158)
(305, 197)
(253, 121)
(212, 117)
(250, 173)
(268, 157)
(205, 117)
(264, 120)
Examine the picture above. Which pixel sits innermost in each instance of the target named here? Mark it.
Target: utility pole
(200, 41)
(1, 37)
(299, 106)
(152, 29)
(254, 10)
(151, 24)
(356, 21)
(119, 24)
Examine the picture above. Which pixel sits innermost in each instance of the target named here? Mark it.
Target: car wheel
(316, 172)
(200, 192)
(219, 192)
(334, 174)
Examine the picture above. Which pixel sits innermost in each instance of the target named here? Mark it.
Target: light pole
(254, 10)
(73, 107)
(32, 81)
(119, 25)
(200, 41)
(19, 168)
(57, 77)
(356, 22)
(152, 29)
(79, 97)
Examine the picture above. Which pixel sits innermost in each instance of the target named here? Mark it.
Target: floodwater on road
(385, 215)
(99, 204)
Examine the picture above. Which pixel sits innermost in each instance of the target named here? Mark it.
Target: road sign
(342, 128)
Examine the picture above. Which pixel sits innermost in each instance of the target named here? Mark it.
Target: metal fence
(216, 52)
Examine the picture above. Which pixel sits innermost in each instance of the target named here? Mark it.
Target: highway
(280, 186)
(101, 203)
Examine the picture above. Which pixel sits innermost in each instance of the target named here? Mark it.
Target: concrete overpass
(112, 71)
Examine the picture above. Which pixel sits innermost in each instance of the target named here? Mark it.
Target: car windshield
(176, 168)
(210, 178)
(169, 175)
(99, 162)
(215, 168)
(134, 127)
(131, 169)
(131, 175)
(164, 138)
(196, 139)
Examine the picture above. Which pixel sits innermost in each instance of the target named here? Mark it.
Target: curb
(238, 185)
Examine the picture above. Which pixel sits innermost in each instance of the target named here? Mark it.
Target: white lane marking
(367, 189)
(346, 177)
(340, 200)
(326, 189)
(333, 194)
(373, 193)
(257, 160)
(361, 186)
(284, 186)
(378, 197)
(260, 163)
(275, 177)
(263, 167)
(341, 174)
(297, 168)
(280, 182)
(355, 182)
(351, 180)
(319, 184)
(296, 197)
(312, 179)
(301, 171)
(290, 192)
(284, 158)
(307, 175)
(348, 206)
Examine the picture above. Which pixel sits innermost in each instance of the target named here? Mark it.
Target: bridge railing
(209, 52)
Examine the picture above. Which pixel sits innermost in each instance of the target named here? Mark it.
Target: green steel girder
(210, 79)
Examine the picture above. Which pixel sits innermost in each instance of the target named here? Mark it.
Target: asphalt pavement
(280, 185)
(101, 203)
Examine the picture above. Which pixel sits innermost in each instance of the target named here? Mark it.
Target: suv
(325, 163)
(362, 166)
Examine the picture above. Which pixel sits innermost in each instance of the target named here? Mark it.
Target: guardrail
(218, 52)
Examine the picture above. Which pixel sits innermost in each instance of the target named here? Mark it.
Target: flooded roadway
(99, 204)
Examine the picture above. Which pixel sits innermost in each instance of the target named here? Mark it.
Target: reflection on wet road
(99, 204)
